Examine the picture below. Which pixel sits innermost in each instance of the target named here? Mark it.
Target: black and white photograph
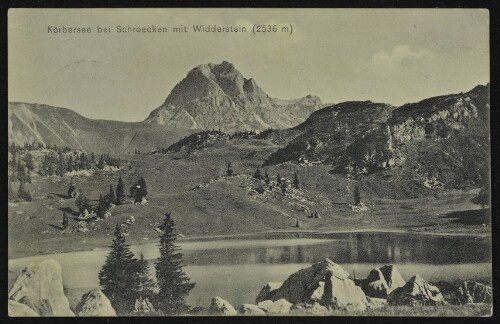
(249, 162)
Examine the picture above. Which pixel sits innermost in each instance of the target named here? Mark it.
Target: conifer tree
(146, 283)
(11, 193)
(28, 161)
(65, 221)
(257, 174)
(71, 189)
(111, 194)
(266, 178)
(143, 190)
(100, 164)
(173, 283)
(120, 192)
(229, 170)
(278, 180)
(24, 193)
(119, 275)
(296, 181)
(357, 196)
(60, 165)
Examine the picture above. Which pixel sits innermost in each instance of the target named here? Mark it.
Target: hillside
(218, 96)
(440, 141)
(63, 127)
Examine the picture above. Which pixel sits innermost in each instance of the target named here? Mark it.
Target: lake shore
(327, 234)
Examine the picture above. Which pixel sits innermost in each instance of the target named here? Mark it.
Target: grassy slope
(225, 207)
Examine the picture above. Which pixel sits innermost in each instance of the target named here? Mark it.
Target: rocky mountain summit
(218, 96)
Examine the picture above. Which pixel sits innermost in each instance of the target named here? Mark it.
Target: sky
(394, 56)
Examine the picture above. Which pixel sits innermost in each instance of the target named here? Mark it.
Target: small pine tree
(28, 161)
(296, 181)
(120, 192)
(229, 170)
(146, 283)
(173, 284)
(65, 221)
(100, 164)
(24, 193)
(278, 180)
(257, 174)
(357, 196)
(111, 195)
(71, 189)
(283, 187)
(143, 190)
(119, 275)
(11, 193)
(266, 178)
(60, 165)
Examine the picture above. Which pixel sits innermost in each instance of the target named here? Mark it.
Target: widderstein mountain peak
(218, 96)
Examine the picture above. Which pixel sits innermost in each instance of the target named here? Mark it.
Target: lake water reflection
(356, 248)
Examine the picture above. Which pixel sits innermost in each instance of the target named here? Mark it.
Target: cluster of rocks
(317, 290)
(38, 291)
(326, 287)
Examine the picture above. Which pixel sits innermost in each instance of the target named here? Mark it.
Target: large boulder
(267, 291)
(40, 287)
(219, 306)
(278, 307)
(20, 310)
(465, 292)
(95, 303)
(251, 310)
(382, 281)
(416, 292)
(324, 282)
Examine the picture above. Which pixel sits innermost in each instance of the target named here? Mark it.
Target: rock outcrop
(95, 303)
(266, 291)
(324, 282)
(382, 281)
(219, 306)
(20, 310)
(251, 310)
(416, 292)
(465, 292)
(429, 140)
(278, 307)
(39, 286)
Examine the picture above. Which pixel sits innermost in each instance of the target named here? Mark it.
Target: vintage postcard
(249, 162)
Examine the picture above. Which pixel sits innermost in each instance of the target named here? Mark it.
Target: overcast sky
(392, 56)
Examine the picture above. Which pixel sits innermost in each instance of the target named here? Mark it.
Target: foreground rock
(20, 310)
(416, 292)
(465, 292)
(267, 291)
(382, 281)
(219, 306)
(324, 282)
(95, 303)
(251, 310)
(39, 286)
(279, 307)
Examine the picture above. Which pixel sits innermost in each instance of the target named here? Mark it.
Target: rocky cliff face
(217, 96)
(438, 141)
